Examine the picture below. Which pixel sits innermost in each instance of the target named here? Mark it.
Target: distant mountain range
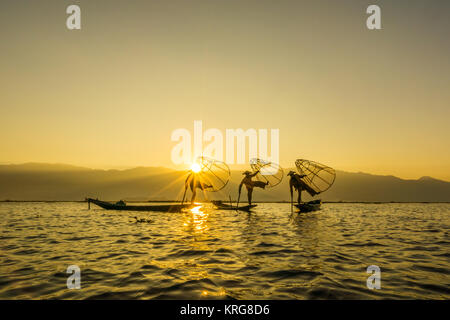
(36, 181)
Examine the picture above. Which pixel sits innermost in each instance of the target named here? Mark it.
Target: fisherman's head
(291, 173)
(246, 173)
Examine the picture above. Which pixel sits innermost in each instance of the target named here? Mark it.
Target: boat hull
(242, 208)
(309, 206)
(157, 208)
(223, 206)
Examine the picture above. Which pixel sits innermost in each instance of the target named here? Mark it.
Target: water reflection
(310, 241)
(208, 254)
(196, 220)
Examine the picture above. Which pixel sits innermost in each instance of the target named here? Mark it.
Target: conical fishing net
(268, 172)
(213, 173)
(318, 177)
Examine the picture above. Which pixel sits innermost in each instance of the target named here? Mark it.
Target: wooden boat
(223, 206)
(309, 206)
(123, 206)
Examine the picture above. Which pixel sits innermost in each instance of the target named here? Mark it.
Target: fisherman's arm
(254, 174)
(299, 176)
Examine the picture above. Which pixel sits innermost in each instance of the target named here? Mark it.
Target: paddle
(239, 196)
(292, 204)
(184, 195)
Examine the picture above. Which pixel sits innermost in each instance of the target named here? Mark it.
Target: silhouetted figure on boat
(296, 182)
(195, 182)
(250, 184)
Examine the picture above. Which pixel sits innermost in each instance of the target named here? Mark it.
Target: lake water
(267, 254)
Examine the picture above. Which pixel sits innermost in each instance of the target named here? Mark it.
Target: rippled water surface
(267, 254)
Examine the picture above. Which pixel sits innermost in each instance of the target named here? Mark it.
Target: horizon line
(124, 168)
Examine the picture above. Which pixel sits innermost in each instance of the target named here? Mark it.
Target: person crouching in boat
(250, 184)
(296, 182)
(195, 182)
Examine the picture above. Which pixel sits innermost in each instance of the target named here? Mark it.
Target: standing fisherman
(195, 182)
(250, 184)
(299, 185)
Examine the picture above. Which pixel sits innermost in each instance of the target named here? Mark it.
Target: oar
(239, 196)
(292, 204)
(231, 203)
(184, 195)
(185, 189)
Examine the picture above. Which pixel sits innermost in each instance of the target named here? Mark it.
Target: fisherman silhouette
(194, 181)
(250, 184)
(296, 182)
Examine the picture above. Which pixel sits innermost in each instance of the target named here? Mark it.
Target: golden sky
(110, 94)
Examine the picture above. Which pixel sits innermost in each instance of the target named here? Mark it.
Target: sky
(111, 94)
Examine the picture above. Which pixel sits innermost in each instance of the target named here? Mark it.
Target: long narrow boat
(122, 206)
(223, 206)
(309, 206)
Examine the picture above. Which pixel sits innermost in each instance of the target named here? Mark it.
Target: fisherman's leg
(260, 184)
(299, 200)
(249, 195)
(194, 193)
(205, 186)
(308, 189)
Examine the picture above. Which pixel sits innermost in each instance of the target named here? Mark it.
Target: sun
(196, 167)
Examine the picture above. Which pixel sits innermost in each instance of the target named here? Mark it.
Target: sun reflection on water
(198, 219)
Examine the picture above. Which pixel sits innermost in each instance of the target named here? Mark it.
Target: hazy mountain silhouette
(36, 181)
